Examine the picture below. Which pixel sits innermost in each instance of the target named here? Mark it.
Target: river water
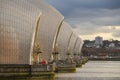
(94, 70)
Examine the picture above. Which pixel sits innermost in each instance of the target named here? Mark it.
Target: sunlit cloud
(106, 36)
(107, 32)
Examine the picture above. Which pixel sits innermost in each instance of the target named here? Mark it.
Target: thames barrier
(35, 41)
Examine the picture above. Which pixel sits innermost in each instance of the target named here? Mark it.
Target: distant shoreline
(104, 59)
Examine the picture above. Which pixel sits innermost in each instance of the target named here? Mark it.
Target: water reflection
(94, 78)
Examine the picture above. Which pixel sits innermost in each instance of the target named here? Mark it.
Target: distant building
(98, 41)
(111, 45)
(91, 45)
(117, 46)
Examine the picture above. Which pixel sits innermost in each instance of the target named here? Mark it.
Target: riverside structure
(32, 31)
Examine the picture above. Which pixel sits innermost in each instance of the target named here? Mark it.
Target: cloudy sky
(91, 18)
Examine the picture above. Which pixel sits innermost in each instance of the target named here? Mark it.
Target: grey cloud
(98, 17)
(111, 4)
(104, 12)
(91, 16)
(67, 6)
(83, 29)
(116, 33)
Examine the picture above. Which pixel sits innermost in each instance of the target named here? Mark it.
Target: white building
(98, 41)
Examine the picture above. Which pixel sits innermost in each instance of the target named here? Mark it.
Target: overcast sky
(91, 18)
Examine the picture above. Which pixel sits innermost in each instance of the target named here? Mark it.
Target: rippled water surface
(94, 70)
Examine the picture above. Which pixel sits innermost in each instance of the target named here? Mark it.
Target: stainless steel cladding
(77, 46)
(72, 44)
(81, 46)
(17, 25)
(63, 40)
(49, 23)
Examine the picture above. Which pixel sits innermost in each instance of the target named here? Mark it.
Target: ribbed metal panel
(17, 25)
(63, 39)
(72, 44)
(78, 46)
(76, 50)
(49, 23)
(81, 46)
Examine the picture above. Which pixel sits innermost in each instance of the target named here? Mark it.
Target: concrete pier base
(65, 66)
(26, 71)
(79, 64)
(84, 60)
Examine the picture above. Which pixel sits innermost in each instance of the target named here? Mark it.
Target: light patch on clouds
(106, 36)
(107, 32)
(116, 33)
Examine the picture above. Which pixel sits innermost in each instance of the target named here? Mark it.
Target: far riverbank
(104, 59)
